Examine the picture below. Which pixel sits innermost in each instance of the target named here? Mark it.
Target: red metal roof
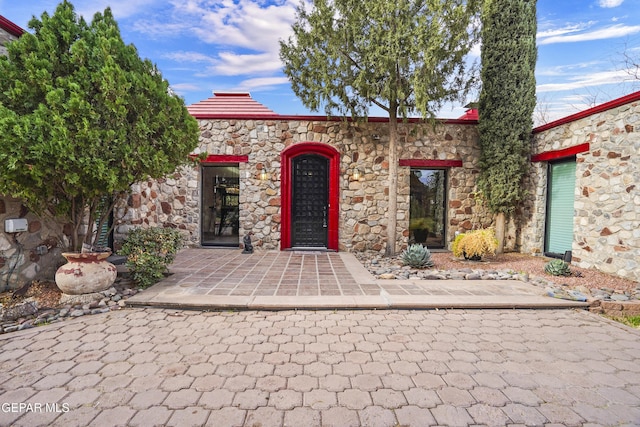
(471, 114)
(240, 105)
(231, 105)
(10, 27)
(632, 97)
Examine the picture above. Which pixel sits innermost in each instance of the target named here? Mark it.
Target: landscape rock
(29, 315)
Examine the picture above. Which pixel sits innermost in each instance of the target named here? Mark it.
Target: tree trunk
(392, 212)
(500, 226)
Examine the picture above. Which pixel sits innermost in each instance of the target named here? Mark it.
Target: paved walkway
(159, 367)
(225, 278)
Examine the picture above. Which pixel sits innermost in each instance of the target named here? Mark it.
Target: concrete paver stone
(394, 367)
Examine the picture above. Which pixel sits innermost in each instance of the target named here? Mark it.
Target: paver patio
(146, 367)
(226, 278)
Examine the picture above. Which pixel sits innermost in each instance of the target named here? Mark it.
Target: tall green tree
(507, 101)
(403, 56)
(83, 117)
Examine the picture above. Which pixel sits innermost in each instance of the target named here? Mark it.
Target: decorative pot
(85, 273)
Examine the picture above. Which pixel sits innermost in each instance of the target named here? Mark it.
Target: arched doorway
(310, 196)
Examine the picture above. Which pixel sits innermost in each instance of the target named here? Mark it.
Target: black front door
(310, 201)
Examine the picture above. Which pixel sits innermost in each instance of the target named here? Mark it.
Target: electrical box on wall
(15, 225)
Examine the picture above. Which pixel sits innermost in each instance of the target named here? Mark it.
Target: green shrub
(149, 252)
(417, 256)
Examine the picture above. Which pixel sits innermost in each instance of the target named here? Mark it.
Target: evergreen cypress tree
(82, 118)
(507, 101)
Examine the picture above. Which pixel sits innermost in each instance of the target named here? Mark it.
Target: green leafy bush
(417, 256)
(149, 252)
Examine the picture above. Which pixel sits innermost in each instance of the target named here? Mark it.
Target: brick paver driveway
(347, 368)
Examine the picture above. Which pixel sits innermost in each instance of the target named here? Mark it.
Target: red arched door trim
(286, 157)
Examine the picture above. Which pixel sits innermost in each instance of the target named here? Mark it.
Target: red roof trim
(559, 154)
(224, 158)
(424, 163)
(233, 94)
(206, 116)
(10, 27)
(586, 113)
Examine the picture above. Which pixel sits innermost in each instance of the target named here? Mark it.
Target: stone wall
(29, 255)
(607, 196)
(169, 202)
(5, 38)
(363, 202)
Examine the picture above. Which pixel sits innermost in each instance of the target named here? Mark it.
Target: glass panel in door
(310, 201)
(220, 205)
(427, 207)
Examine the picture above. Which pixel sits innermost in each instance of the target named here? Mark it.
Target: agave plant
(557, 267)
(417, 256)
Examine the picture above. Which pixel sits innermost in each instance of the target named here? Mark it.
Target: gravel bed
(591, 283)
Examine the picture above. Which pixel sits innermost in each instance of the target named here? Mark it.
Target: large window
(220, 205)
(427, 207)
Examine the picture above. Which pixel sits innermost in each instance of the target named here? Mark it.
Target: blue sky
(232, 45)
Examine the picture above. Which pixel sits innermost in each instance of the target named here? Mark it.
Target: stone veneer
(27, 255)
(5, 38)
(607, 195)
(175, 202)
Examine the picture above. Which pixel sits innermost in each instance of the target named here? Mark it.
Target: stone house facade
(309, 182)
(597, 149)
(264, 150)
(602, 146)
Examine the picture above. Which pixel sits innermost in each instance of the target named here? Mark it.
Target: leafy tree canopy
(404, 56)
(82, 117)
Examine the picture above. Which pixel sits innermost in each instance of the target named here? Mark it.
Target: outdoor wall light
(263, 175)
(356, 174)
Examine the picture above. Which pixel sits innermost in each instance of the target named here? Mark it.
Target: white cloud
(245, 23)
(189, 57)
(261, 83)
(185, 87)
(600, 34)
(567, 29)
(587, 80)
(244, 34)
(231, 64)
(564, 70)
(610, 3)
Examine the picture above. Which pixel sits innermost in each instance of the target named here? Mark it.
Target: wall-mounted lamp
(263, 175)
(356, 174)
